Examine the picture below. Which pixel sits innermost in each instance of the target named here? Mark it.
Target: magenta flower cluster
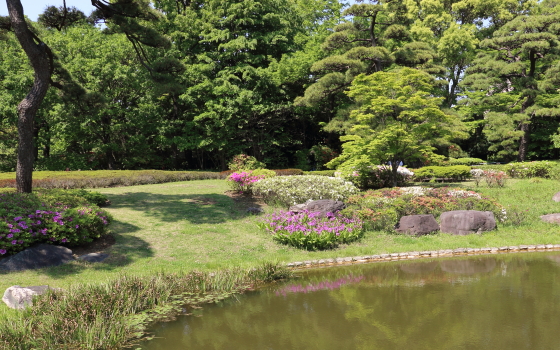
(47, 224)
(243, 180)
(314, 287)
(312, 230)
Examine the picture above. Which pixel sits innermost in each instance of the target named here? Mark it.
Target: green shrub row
(465, 161)
(129, 178)
(329, 173)
(525, 170)
(453, 173)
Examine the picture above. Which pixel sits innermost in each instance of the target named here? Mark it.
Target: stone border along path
(423, 254)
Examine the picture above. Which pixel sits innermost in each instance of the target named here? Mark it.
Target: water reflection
(509, 302)
(469, 267)
(323, 285)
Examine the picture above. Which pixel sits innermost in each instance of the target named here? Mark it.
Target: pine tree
(515, 78)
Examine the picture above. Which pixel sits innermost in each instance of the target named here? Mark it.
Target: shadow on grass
(126, 250)
(195, 208)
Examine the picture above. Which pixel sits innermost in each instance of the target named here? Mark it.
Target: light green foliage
(289, 190)
(397, 119)
(529, 169)
(453, 173)
(264, 172)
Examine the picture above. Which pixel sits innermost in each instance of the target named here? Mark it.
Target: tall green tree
(234, 96)
(123, 15)
(516, 77)
(397, 119)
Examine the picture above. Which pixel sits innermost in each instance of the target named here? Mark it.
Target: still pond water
(509, 301)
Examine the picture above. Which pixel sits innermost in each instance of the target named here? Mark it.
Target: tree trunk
(523, 143)
(37, 52)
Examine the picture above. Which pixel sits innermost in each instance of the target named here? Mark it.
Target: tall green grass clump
(111, 315)
(289, 190)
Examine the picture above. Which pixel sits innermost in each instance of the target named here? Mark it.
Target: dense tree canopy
(189, 84)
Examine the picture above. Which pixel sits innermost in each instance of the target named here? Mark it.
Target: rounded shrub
(290, 190)
(245, 162)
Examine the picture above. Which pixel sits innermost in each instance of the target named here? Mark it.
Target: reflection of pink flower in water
(325, 285)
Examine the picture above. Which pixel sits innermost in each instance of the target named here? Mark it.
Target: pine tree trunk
(523, 143)
(39, 59)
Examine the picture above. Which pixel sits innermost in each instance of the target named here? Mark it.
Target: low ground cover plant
(311, 231)
(49, 217)
(289, 190)
(381, 209)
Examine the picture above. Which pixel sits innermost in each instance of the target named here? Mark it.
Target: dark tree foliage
(517, 77)
(61, 17)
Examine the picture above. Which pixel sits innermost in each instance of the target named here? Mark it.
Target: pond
(509, 301)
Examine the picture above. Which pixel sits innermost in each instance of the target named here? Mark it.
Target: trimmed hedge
(329, 173)
(466, 161)
(453, 173)
(288, 172)
(91, 179)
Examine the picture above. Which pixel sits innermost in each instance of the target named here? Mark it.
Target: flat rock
(18, 297)
(36, 257)
(556, 197)
(93, 257)
(464, 222)
(323, 206)
(417, 225)
(552, 218)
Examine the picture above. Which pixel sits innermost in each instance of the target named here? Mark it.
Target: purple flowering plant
(311, 230)
(26, 220)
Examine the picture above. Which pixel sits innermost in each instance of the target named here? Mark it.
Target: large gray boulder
(464, 222)
(18, 297)
(556, 197)
(42, 255)
(417, 225)
(323, 206)
(551, 218)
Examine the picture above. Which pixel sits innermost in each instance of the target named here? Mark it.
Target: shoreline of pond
(443, 253)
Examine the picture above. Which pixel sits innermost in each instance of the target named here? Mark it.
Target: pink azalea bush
(311, 231)
(241, 182)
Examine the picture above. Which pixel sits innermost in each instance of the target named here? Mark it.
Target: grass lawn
(190, 225)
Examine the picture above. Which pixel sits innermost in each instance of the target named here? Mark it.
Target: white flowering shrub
(290, 190)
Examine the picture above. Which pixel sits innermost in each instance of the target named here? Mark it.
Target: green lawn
(190, 225)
